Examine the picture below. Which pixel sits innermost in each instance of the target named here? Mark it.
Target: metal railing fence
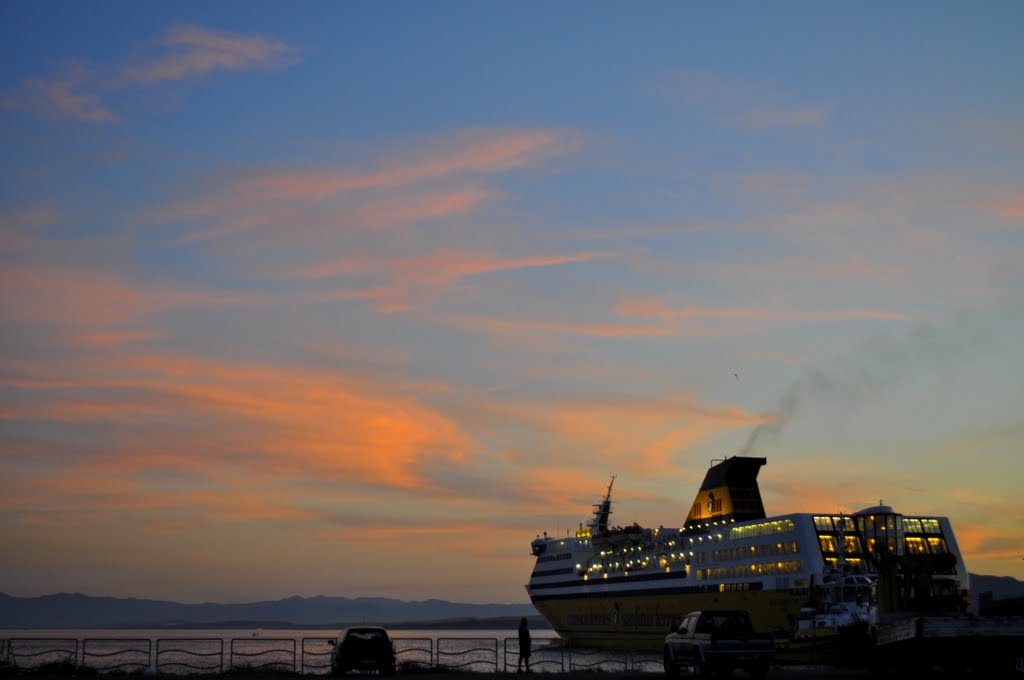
(308, 655)
(259, 653)
(117, 654)
(459, 653)
(543, 658)
(190, 654)
(42, 651)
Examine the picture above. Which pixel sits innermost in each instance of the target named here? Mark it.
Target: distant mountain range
(73, 610)
(1001, 587)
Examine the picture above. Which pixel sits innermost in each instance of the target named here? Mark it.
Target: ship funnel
(729, 494)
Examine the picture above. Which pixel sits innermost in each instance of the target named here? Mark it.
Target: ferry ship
(608, 586)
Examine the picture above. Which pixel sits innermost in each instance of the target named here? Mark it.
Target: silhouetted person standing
(524, 646)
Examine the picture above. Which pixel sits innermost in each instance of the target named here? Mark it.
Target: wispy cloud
(19, 227)
(83, 299)
(194, 51)
(741, 103)
(111, 339)
(518, 327)
(1011, 206)
(472, 150)
(402, 281)
(659, 309)
(635, 433)
(63, 98)
(284, 219)
(286, 421)
(427, 180)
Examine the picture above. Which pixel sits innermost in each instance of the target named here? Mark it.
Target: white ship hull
(610, 587)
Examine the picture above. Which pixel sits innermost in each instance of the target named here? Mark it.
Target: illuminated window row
(829, 544)
(849, 561)
(732, 587)
(755, 551)
(923, 546)
(780, 526)
(913, 525)
(750, 570)
(834, 523)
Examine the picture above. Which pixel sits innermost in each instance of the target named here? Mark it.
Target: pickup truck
(717, 640)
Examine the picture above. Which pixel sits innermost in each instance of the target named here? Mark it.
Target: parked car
(717, 640)
(363, 648)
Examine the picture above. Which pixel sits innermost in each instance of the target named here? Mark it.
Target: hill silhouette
(75, 610)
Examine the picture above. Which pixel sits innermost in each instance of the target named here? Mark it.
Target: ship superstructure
(611, 586)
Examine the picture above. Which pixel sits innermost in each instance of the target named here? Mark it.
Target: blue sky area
(357, 298)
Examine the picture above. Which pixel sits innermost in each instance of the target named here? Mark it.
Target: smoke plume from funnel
(879, 365)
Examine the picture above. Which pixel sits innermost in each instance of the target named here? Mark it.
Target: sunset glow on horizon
(359, 302)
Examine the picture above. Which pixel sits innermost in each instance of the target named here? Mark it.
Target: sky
(357, 298)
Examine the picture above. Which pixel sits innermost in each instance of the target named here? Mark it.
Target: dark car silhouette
(363, 648)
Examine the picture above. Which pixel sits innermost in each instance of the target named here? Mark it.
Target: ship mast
(602, 511)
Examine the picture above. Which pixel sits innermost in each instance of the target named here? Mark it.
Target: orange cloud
(1011, 206)
(89, 494)
(275, 420)
(522, 327)
(639, 435)
(88, 299)
(409, 278)
(75, 296)
(657, 308)
(111, 339)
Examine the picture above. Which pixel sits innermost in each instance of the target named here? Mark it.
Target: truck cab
(717, 640)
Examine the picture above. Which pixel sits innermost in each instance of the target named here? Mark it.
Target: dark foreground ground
(788, 673)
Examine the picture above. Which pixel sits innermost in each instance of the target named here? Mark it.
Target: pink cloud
(743, 103)
(61, 98)
(17, 228)
(405, 209)
(195, 51)
(201, 50)
(478, 151)
(281, 221)
(400, 189)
